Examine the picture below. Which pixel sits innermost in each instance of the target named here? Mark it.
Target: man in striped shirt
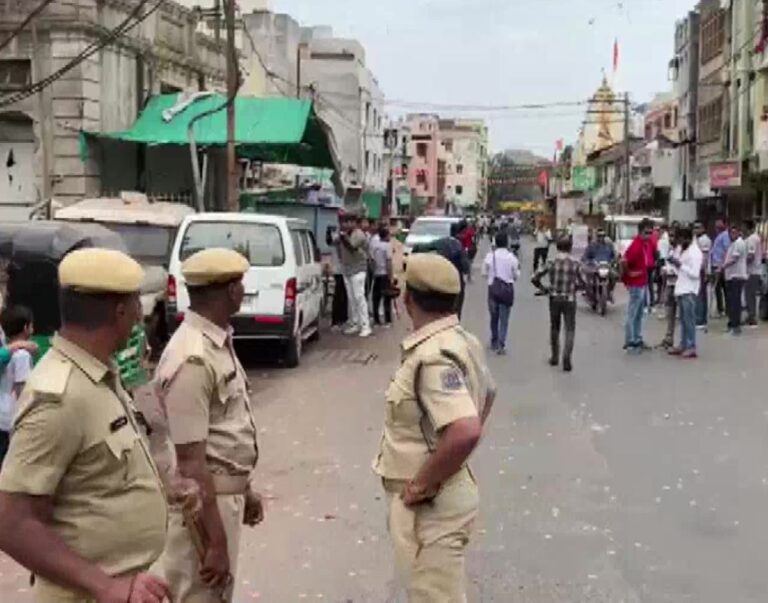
(565, 279)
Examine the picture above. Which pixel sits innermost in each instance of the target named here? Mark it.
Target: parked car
(283, 288)
(148, 229)
(426, 230)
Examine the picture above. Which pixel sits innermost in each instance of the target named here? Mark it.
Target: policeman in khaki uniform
(205, 394)
(436, 405)
(81, 502)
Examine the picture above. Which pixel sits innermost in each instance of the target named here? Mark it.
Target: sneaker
(336, 328)
(701, 327)
(567, 366)
(351, 330)
(553, 362)
(752, 325)
(365, 333)
(502, 351)
(675, 352)
(689, 354)
(386, 325)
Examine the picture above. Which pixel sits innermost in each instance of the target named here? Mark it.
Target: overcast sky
(506, 52)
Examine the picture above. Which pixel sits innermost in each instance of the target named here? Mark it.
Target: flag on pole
(615, 56)
(559, 144)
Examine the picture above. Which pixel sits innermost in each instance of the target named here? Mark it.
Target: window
(260, 244)
(711, 121)
(421, 149)
(306, 246)
(152, 244)
(297, 247)
(448, 144)
(674, 117)
(459, 168)
(421, 177)
(667, 121)
(459, 189)
(712, 36)
(313, 246)
(367, 159)
(15, 73)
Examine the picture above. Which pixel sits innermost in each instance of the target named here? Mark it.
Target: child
(17, 326)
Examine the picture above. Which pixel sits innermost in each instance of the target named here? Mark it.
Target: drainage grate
(339, 357)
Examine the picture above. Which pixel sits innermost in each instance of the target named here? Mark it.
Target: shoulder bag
(501, 291)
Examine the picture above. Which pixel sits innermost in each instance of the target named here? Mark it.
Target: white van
(425, 230)
(283, 288)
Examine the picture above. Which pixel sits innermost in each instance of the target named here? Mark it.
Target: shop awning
(272, 130)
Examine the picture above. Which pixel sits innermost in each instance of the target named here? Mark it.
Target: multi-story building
(462, 163)
(423, 173)
(397, 161)
(104, 92)
(684, 71)
(661, 118)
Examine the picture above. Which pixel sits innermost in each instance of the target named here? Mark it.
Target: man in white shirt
(702, 303)
(735, 273)
(543, 237)
(687, 260)
(500, 263)
(754, 285)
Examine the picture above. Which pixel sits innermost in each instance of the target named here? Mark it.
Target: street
(631, 479)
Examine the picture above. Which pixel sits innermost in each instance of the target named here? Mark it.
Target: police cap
(99, 270)
(432, 273)
(213, 266)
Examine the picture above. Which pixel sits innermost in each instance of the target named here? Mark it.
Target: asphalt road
(634, 478)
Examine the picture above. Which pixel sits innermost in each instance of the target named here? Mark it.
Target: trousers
(733, 290)
(633, 327)
(687, 306)
(179, 564)
(380, 285)
(430, 540)
(499, 322)
(752, 292)
(357, 300)
(340, 308)
(540, 255)
(702, 303)
(562, 310)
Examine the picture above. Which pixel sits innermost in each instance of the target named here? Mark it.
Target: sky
(506, 52)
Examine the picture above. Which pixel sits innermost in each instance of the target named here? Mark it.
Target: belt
(230, 484)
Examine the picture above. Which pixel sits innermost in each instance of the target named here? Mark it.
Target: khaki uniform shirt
(443, 377)
(204, 390)
(76, 439)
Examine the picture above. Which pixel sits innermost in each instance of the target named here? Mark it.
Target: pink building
(423, 172)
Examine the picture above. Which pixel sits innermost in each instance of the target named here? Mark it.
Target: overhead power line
(25, 22)
(134, 18)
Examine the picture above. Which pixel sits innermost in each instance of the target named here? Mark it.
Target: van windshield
(435, 228)
(149, 244)
(260, 244)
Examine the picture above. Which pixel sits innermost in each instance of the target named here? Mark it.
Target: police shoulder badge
(451, 379)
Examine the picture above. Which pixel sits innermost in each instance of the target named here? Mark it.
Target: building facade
(462, 163)
(423, 174)
(40, 142)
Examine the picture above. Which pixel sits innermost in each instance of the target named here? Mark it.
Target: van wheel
(293, 351)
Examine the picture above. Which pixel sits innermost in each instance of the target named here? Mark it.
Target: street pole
(232, 196)
(627, 156)
(45, 143)
(299, 54)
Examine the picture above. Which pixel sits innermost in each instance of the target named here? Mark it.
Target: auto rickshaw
(30, 254)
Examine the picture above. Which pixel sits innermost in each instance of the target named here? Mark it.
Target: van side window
(298, 248)
(313, 247)
(307, 246)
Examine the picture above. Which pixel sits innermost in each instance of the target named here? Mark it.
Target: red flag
(559, 144)
(543, 178)
(615, 55)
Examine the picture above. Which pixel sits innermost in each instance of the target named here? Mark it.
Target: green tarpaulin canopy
(272, 130)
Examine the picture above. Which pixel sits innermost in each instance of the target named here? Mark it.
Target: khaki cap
(211, 266)
(430, 272)
(99, 270)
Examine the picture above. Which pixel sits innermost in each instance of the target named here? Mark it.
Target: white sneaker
(351, 330)
(366, 333)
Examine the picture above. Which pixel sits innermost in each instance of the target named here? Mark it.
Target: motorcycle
(598, 290)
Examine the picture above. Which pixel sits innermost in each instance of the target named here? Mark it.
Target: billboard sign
(725, 175)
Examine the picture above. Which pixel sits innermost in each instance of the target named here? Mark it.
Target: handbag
(501, 291)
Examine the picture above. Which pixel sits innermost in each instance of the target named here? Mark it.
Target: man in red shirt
(635, 277)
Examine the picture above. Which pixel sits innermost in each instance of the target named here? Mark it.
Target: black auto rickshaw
(30, 254)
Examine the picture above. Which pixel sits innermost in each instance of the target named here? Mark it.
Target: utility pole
(45, 141)
(217, 21)
(232, 188)
(627, 156)
(299, 56)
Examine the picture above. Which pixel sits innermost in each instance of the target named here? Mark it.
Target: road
(632, 479)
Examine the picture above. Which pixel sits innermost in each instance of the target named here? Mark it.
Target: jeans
(539, 256)
(671, 304)
(357, 301)
(380, 286)
(633, 327)
(702, 303)
(733, 290)
(499, 323)
(340, 307)
(753, 290)
(687, 306)
(561, 309)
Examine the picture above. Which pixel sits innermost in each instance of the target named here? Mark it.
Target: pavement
(632, 479)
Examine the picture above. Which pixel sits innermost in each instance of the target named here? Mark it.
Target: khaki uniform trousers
(48, 592)
(430, 540)
(179, 564)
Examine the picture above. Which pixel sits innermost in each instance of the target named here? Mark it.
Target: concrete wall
(276, 39)
(463, 148)
(424, 130)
